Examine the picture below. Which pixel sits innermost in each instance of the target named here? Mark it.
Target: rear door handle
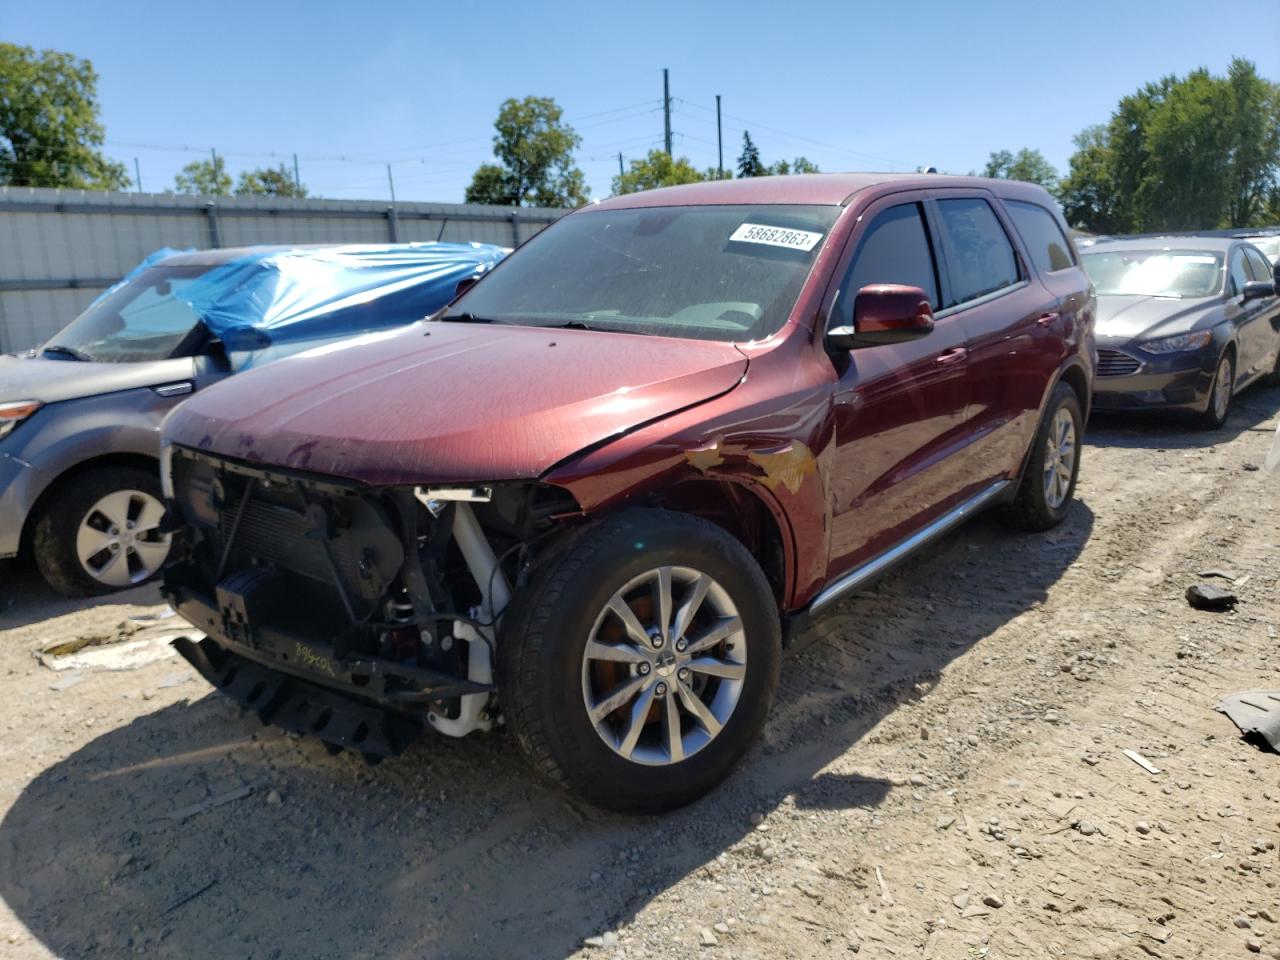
(954, 355)
(1049, 319)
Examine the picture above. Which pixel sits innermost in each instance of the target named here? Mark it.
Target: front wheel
(1219, 403)
(640, 666)
(101, 532)
(1049, 481)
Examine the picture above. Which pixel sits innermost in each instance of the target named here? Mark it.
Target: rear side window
(895, 249)
(1045, 240)
(980, 258)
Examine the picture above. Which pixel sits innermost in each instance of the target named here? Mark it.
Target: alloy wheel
(119, 542)
(1222, 385)
(664, 666)
(1059, 458)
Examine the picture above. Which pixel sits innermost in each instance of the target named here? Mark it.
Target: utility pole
(666, 111)
(213, 152)
(620, 170)
(392, 184)
(137, 174)
(297, 180)
(719, 141)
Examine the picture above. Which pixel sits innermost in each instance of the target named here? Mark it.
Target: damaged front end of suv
(357, 614)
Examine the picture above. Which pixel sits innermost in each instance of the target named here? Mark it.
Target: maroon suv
(594, 498)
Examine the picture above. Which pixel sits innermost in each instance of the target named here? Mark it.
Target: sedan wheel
(119, 542)
(1219, 405)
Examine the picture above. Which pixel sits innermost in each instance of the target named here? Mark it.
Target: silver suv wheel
(118, 540)
(663, 669)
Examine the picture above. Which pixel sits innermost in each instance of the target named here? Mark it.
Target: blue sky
(852, 85)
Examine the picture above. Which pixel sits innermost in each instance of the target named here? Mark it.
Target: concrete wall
(60, 248)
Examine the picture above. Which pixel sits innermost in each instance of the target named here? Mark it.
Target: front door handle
(1049, 319)
(954, 355)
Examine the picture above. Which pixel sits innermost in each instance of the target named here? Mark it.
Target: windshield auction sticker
(775, 237)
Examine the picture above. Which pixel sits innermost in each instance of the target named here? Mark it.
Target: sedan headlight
(1182, 343)
(12, 414)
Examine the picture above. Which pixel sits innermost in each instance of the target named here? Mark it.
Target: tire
(1038, 506)
(1218, 406)
(547, 680)
(78, 516)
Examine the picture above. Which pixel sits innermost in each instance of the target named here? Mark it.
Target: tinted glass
(145, 319)
(1045, 241)
(705, 272)
(980, 259)
(1154, 273)
(1239, 273)
(1258, 265)
(895, 249)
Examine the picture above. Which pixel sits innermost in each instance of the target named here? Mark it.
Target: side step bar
(878, 566)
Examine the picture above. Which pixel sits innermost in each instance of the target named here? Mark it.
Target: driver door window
(896, 249)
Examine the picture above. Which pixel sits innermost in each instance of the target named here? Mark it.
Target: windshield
(1155, 273)
(143, 320)
(708, 272)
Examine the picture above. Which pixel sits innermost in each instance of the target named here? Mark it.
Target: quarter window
(980, 258)
(1048, 246)
(1239, 273)
(895, 249)
(1258, 265)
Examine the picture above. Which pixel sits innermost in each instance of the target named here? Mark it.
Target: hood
(1137, 316)
(457, 403)
(49, 381)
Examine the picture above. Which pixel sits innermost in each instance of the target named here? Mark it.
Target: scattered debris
(155, 616)
(885, 895)
(1205, 596)
(190, 896)
(1142, 761)
(70, 680)
(991, 900)
(1224, 574)
(1256, 713)
(709, 939)
(173, 680)
(185, 813)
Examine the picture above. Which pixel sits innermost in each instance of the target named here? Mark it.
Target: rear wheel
(1049, 482)
(640, 667)
(1219, 403)
(100, 532)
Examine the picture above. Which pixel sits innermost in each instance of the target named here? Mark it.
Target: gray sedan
(1183, 323)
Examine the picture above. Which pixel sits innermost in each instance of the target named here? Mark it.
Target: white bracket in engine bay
(495, 594)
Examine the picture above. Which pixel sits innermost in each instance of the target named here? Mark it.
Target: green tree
(204, 177)
(534, 148)
(269, 182)
(658, 169)
(1188, 153)
(49, 127)
(799, 165)
(1027, 164)
(749, 163)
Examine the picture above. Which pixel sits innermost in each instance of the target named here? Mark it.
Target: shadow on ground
(1250, 412)
(456, 849)
(25, 598)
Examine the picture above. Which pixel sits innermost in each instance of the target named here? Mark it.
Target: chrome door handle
(1049, 319)
(952, 356)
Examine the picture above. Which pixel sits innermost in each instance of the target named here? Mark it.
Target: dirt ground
(943, 775)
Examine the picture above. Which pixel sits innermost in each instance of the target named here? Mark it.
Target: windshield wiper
(465, 318)
(71, 352)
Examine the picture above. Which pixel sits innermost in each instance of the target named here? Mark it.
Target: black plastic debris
(1257, 714)
(1205, 596)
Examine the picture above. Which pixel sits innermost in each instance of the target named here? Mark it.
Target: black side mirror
(884, 313)
(1257, 289)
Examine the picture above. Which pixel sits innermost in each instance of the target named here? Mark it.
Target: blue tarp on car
(264, 299)
(267, 300)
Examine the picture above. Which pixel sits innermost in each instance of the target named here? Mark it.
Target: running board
(877, 566)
